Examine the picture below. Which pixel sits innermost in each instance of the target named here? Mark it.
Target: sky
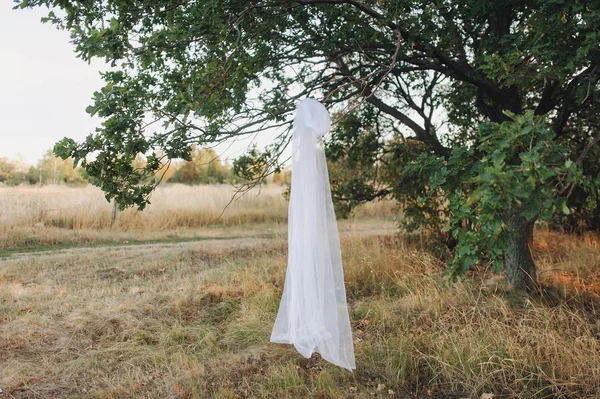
(44, 88)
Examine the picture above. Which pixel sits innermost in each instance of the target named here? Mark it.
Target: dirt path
(195, 243)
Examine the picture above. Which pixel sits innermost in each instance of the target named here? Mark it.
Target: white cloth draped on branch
(313, 315)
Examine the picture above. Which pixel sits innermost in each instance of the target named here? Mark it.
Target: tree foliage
(477, 101)
(205, 167)
(7, 171)
(49, 170)
(517, 165)
(54, 170)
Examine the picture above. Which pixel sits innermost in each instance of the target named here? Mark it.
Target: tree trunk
(518, 261)
(116, 213)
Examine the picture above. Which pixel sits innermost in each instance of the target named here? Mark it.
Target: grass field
(168, 306)
(32, 218)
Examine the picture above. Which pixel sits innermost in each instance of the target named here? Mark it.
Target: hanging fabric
(313, 315)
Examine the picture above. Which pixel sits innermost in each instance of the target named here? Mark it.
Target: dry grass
(172, 206)
(192, 320)
(60, 215)
(173, 303)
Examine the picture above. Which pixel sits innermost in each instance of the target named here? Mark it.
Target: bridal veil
(313, 315)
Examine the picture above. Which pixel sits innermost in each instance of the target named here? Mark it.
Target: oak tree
(490, 106)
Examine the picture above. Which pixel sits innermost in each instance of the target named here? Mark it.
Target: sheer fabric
(313, 315)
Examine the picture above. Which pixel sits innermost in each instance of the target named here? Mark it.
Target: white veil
(313, 315)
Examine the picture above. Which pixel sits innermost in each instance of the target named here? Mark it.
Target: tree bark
(116, 215)
(518, 261)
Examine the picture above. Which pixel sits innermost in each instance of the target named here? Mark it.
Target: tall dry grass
(37, 217)
(172, 206)
(193, 321)
(176, 318)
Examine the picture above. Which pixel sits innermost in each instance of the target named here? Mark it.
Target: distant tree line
(49, 170)
(205, 167)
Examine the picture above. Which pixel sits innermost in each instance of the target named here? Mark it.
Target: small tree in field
(500, 95)
(54, 170)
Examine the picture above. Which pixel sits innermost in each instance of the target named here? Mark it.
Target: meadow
(179, 302)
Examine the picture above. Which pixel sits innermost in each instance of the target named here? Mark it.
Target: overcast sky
(44, 88)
